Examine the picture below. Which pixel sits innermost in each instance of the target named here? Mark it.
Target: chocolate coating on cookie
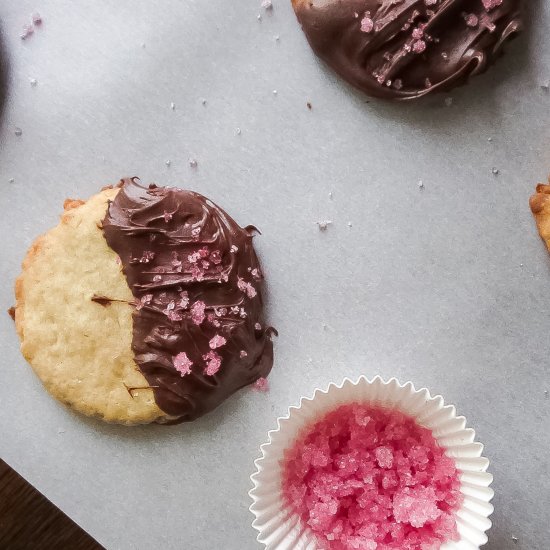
(405, 49)
(198, 331)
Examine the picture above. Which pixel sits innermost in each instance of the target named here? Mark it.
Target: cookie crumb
(420, 184)
(238, 131)
(495, 171)
(515, 539)
(18, 131)
(173, 106)
(309, 106)
(168, 162)
(193, 163)
(267, 5)
(33, 82)
(11, 312)
(323, 225)
(36, 18)
(11, 180)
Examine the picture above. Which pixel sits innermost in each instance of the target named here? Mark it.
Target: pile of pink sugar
(370, 478)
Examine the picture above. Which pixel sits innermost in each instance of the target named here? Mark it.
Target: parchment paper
(446, 285)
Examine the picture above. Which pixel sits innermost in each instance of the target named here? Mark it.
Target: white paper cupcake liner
(280, 529)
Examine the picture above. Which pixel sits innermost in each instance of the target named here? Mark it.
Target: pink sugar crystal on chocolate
(197, 312)
(365, 477)
(213, 363)
(262, 385)
(217, 341)
(182, 363)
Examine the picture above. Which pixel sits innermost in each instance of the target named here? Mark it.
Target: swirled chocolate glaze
(198, 330)
(405, 49)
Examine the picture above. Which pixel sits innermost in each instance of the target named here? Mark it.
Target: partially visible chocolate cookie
(405, 49)
(144, 304)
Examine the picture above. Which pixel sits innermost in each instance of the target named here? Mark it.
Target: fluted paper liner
(281, 529)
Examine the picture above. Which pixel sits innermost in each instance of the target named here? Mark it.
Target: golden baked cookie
(144, 305)
(81, 350)
(540, 206)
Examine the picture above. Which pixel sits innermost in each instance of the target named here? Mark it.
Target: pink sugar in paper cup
(281, 529)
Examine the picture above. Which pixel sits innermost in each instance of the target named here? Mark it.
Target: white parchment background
(448, 286)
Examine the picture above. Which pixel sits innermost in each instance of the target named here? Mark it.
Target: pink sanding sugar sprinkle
(217, 342)
(367, 24)
(471, 19)
(262, 385)
(491, 4)
(245, 287)
(182, 363)
(197, 312)
(419, 46)
(366, 477)
(213, 363)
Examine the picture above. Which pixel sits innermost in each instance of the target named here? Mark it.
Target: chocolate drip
(196, 280)
(405, 49)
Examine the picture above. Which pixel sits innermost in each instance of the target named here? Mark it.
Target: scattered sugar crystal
(26, 32)
(193, 163)
(495, 171)
(261, 385)
(323, 225)
(213, 363)
(182, 363)
(366, 477)
(419, 46)
(234, 249)
(491, 4)
(367, 24)
(217, 341)
(471, 19)
(18, 131)
(36, 18)
(243, 354)
(197, 312)
(33, 82)
(257, 326)
(267, 5)
(246, 287)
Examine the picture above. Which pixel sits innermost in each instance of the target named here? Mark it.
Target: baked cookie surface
(80, 349)
(540, 207)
